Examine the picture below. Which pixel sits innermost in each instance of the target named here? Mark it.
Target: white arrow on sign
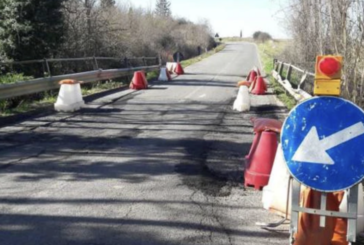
(313, 150)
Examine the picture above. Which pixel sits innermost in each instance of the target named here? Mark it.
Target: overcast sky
(228, 17)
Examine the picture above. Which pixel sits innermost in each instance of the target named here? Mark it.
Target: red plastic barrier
(263, 124)
(253, 147)
(252, 85)
(168, 75)
(259, 87)
(139, 81)
(252, 75)
(179, 70)
(261, 160)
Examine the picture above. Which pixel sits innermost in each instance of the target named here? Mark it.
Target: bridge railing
(296, 81)
(51, 82)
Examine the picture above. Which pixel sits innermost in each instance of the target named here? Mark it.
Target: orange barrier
(243, 83)
(309, 230)
(68, 81)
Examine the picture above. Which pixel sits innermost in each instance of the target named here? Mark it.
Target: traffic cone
(139, 81)
(69, 97)
(164, 75)
(242, 101)
(252, 85)
(261, 161)
(179, 70)
(252, 75)
(259, 87)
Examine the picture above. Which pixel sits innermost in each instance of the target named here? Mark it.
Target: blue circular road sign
(323, 143)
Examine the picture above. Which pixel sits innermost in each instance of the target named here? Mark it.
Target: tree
(30, 29)
(261, 36)
(163, 8)
(107, 3)
(329, 27)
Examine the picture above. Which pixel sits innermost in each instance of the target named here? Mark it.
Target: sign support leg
(352, 208)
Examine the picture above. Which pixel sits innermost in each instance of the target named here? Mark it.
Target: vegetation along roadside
(268, 51)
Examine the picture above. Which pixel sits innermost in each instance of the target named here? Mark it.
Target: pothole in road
(198, 177)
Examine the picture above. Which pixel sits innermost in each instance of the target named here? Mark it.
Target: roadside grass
(152, 75)
(267, 52)
(237, 39)
(194, 60)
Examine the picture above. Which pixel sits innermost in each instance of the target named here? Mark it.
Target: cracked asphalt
(157, 166)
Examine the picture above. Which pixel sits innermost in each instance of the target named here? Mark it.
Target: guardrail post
(144, 61)
(126, 64)
(289, 71)
(158, 60)
(280, 68)
(47, 66)
(96, 65)
(274, 64)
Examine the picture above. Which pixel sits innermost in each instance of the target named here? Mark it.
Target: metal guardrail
(46, 62)
(299, 93)
(43, 84)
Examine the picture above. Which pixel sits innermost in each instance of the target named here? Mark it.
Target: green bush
(13, 77)
(12, 102)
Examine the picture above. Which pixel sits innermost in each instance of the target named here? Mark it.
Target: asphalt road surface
(157, 166)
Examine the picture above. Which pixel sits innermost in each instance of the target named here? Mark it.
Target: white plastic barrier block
(69, 98)
(163, 76)
(275, 193)
(171, 66)
(242, 101)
